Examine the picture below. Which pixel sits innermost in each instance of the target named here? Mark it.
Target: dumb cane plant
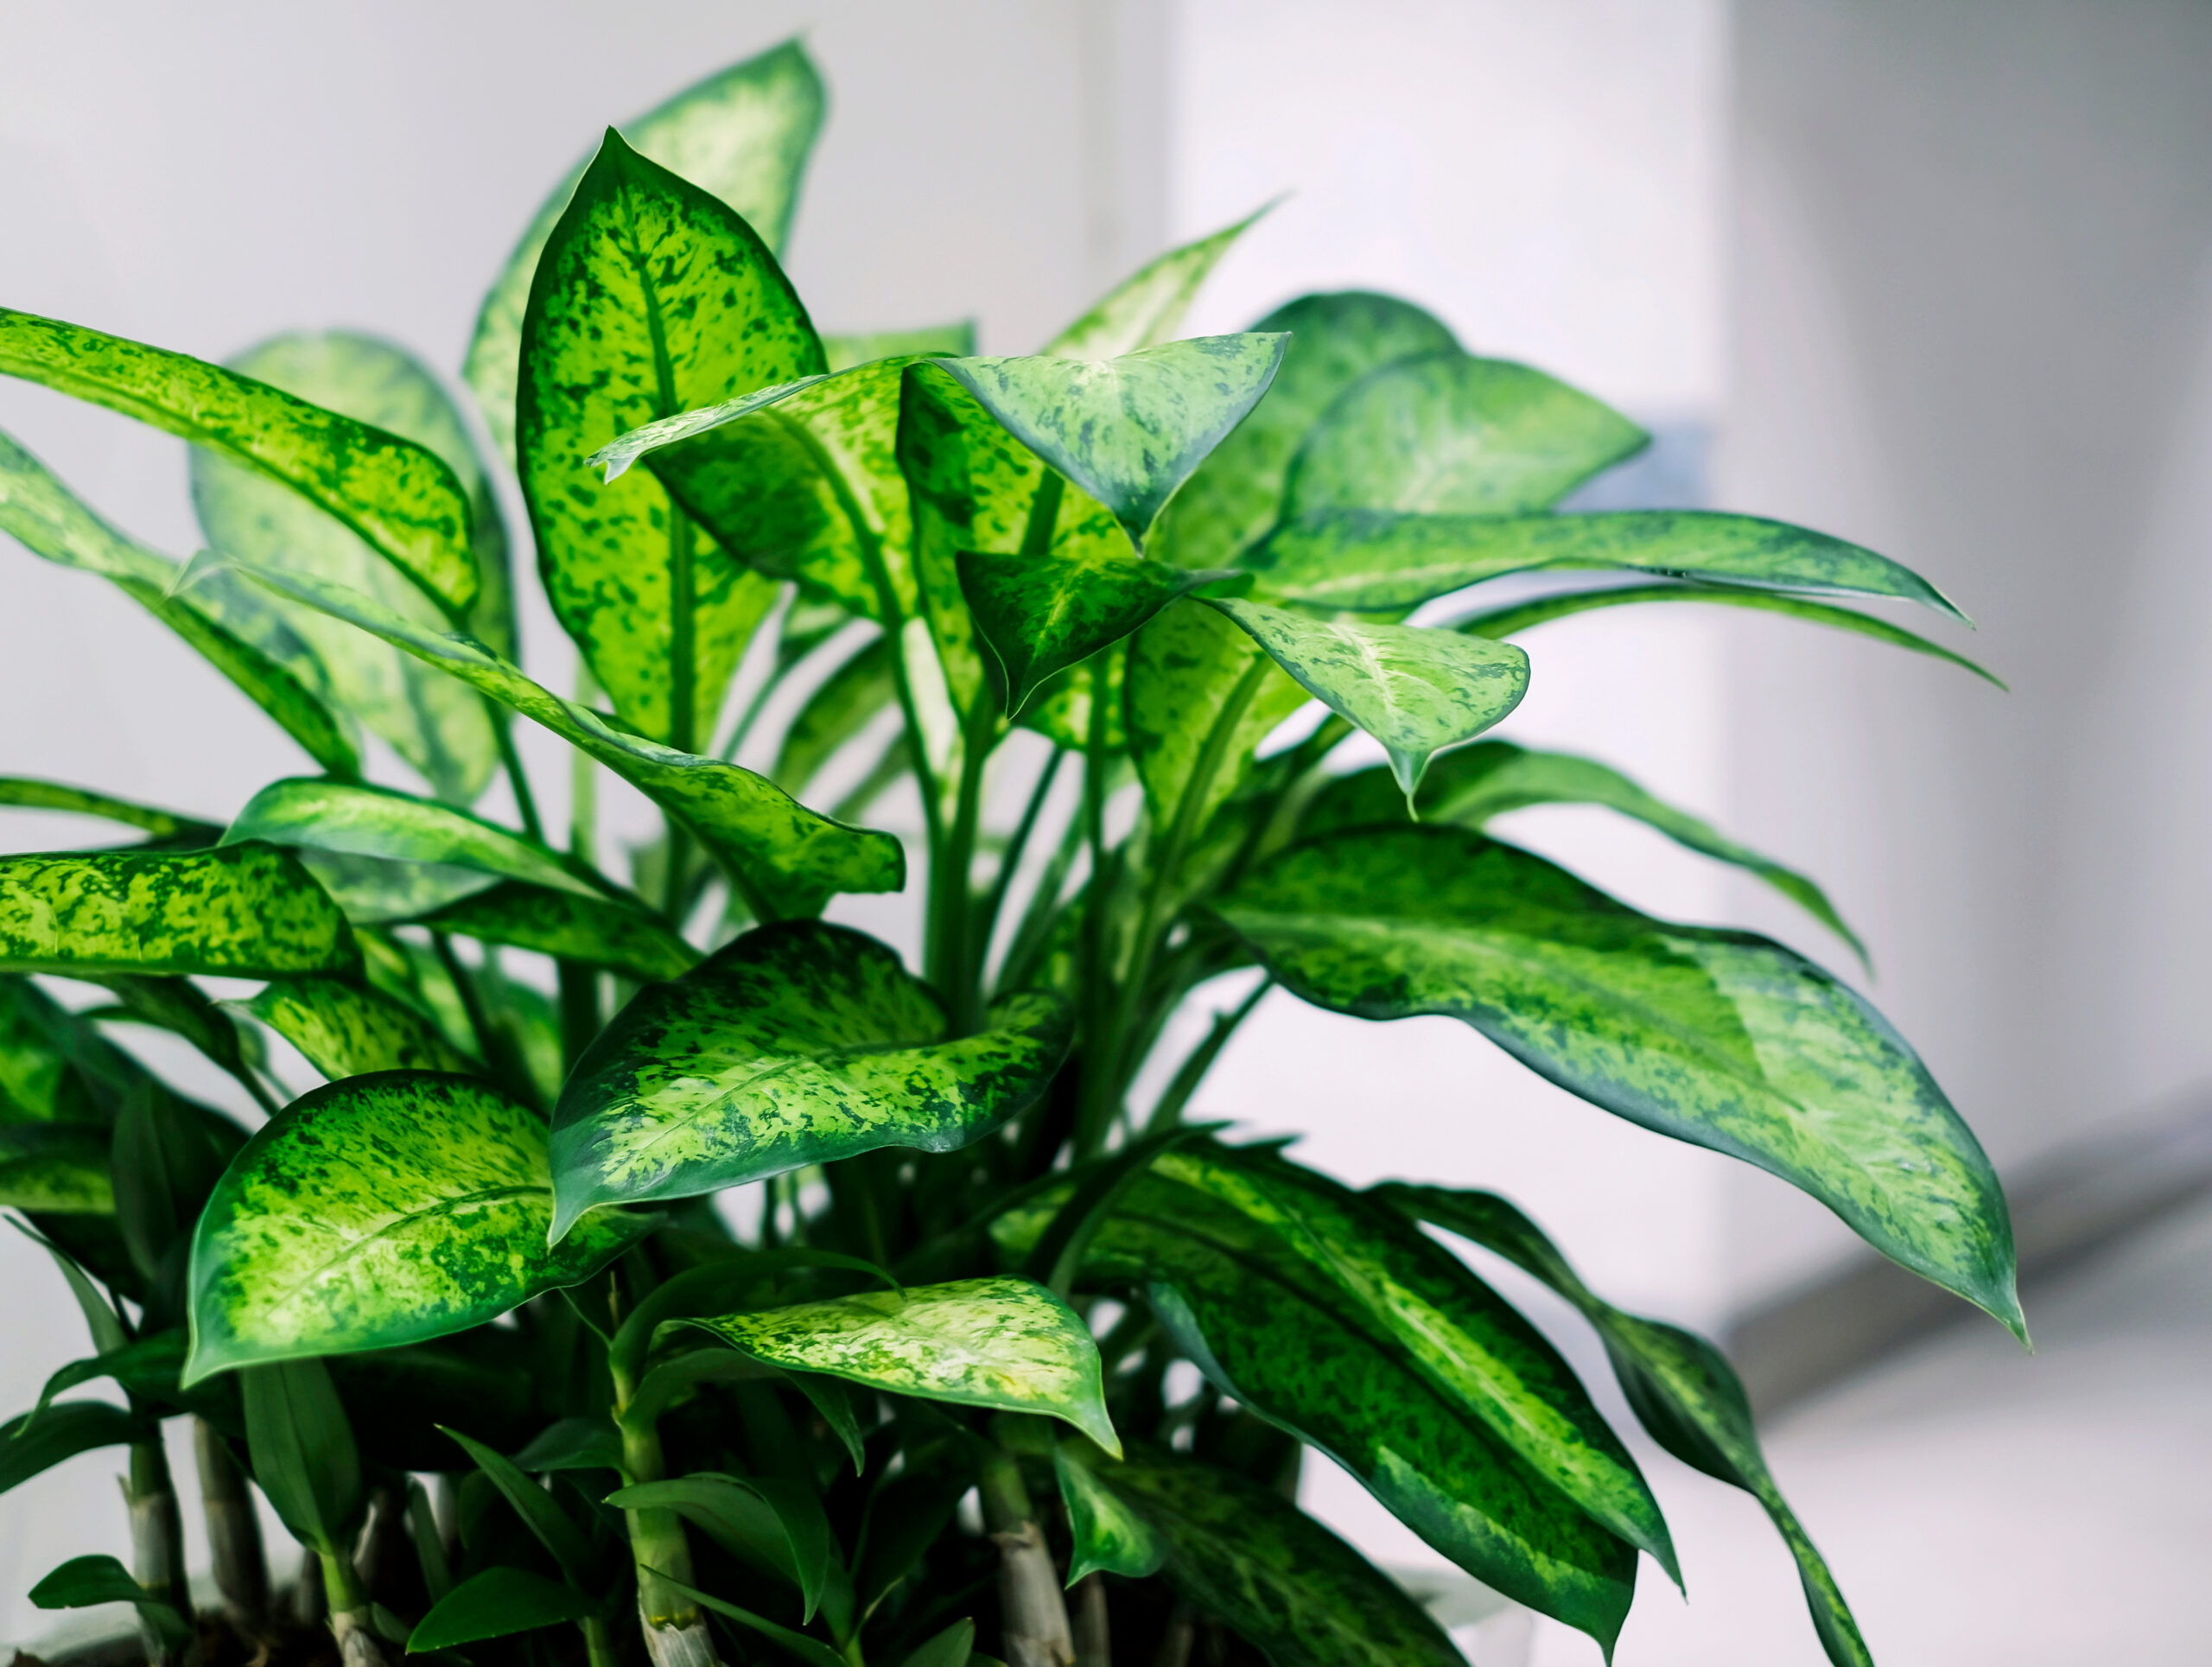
(1096, 621)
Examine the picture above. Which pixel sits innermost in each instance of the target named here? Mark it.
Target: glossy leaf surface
(401, 498)
(1188, 672)
(630, 320)
(1452, 434)
(496, 1603)
(1002, 1343)
(1237, 493)
(82, 1582)
(1722, 1038)
(1683, 1389)
(363, 821)
(1145, 309)
(599, 932)
(244, 911)
(797, 1044)
(381, 1210)
(1411, 688)
(1111, 1536)
(743, 134)
(346, 1029)
(305, 1457)
(31, 1444)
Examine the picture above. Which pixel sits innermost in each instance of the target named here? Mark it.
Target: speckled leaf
(1415, 690)
(1722, 1038)
(26, 793)
(599, 932)
(1244, 1554)
(1060, 709)
(1451, 434)
(743, 134)
(1145, 307)
(1522, 616)
(1334, 340)
(1001, 1343)
(1275, 1327)
(653, 298)
(247, 910)
(1683, 1389)
(400, 498)
(1128, 430)
(844, 352)
(1042, 614)
(60, 1168)
(1468, 787)
(1110, 1536)
(55, 1067)
(798, 1044)
(50, 521)
(349, 1030)
(1185, 669)
(1380, 562)
(790, 858)
(381, 1210)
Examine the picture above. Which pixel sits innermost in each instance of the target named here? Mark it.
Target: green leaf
(346, 1029)
(1237, 493)
(51, 522)
(177, 1005)
(743, 134)
(764, 1519)
(1111, 1536)
(82, 1582)
(1721, 1039)
(495, 1604)
(381, 1210)
(1451, 434)
(789, 857)
(628, 321)
(951, 1648)
(1007, 1343)
(1042, 614)
(1413, 688)
(800, 1043)
(167, 826)
(1145, 309)
(844, 352)
(810, 1651)
(545, 1517)
(401, 499)
(579, 1444)
(167, 1157)
(1375, 561)
(1468, 787)
(1510, 622)
(303, 1452)
(55, 1169)
(1273, 1574)
(146, 1367)
(1195, 678)
(601, 931)
(1683, 1390)
(1128, 430)
(30, 1444)
(246, 911)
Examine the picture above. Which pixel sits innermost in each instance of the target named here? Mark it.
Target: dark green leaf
(401, 498)
(304, 1453)
(798, 1044)
(1185, 671)
(245, 911)
(742, 134)
(1721, 1039)
(55, 1168)
(1468, 787)
(50, 520)
(597, 931)
(1237, 493)
(1683, 1389)
(146, 1367)
(539, 1512)
(346, 1029)
(764, 1519)
(810, 1651)
(32, 1443)
(381, 1210)
(951, 1648)
(1381, 561)
(1145, 309)
(167, 1157)
(494, 1604)
(628, 321)
(1509, 621)
(1407, 686)
(1451, 434)
(1128, 430)
(590, 1443)
(177, 1005)
(83, 1581)
(1245, 1554)
(1111, 1536)
(164, 826)
(1010, 1344)
(844, 352)
(789, 857)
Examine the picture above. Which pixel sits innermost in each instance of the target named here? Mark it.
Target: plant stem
(156, 1537)
(233, 1531)
(987, 917)
(350, 1620)
(599, 1649)
(471, 999)
(1094, 1636)
(1034, 1611)
(1193, 1071)
(676, 1632)
(510, 761)
(947, 961)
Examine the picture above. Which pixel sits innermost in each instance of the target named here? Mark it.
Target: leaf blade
(497, 1602)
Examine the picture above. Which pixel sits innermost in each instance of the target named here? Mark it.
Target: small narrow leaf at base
(799, 1043)
(495, 1604)
(246, 911)
(305, 1457)
(810, 1651)
(539, 1511)
(32, 1443)
(767, 1520)
(83, 1582)
(346, 1029)
(1001, 1343)
(381, 1210)
(951, 1648)
(1682, 1390)
(1407, 686)
(1145, 309)
(1722, 1038)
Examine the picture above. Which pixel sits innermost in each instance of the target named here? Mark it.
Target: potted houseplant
(465, 1312)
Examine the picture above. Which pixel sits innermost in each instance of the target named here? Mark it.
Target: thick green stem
(600, 1649)
(156, 1537)
(676, 1632)
(1033, 1608)
(351, 1622)
(241, 1566)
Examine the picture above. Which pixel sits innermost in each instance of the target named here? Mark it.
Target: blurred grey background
(1937, 278)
